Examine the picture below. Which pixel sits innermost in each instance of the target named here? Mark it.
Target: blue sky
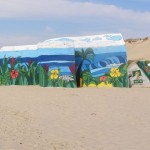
(29, 22)
(137, 5)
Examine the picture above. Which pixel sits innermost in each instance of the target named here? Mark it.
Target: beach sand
(138, 49)
(36, 118)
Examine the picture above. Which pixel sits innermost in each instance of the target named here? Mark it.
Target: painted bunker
(89, 61)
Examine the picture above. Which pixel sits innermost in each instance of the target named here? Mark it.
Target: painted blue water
(97, 39)
(62, 58)
(99, 66)
(55, 51)
(101, 72)
(36, 53)
(60, 39)
(56, 64)
(106, 56)
(106, 49)
(114, 38)
(63, 70)
(45, 59)
(61, 62)
(24, 53)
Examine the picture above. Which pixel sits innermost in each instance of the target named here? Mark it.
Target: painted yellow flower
(84, 85)
(54, 74)
(114, 72)
(92, 85)
(103, 84)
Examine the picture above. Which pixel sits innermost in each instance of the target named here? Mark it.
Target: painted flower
(14, 74)
(103, 84)
(84, 85)
(146, 68)
(72, 68)
(66, 78)
(29, 62)
(46, 67)
(92, 85)
(12, 61)
(54, 74)
(103, 78)
(114, 72)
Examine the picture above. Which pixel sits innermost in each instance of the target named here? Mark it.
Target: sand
(138, 49)
(35, 118)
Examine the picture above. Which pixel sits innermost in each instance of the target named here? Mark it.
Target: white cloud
(49, 29)
(46, 9)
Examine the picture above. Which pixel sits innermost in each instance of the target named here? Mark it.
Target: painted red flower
(12, 61)
(72, 68)
(146, 69)
(46, 67)
(14, 74)
(103, 78)
(29, 62)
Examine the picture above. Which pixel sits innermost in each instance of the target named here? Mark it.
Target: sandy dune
(35, 118)
(138, 49)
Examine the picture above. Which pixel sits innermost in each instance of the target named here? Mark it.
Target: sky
(32, 21)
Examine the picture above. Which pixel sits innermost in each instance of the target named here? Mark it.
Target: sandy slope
(139, 49)
(34, 118)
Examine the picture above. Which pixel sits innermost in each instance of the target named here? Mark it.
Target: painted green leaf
(144, 66)
(125, 81)
(89, 51)
(123, 68)
(90, 57)
(117, 83)
(78, 53)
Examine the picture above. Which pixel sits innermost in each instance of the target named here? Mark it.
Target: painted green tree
(87, 55)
